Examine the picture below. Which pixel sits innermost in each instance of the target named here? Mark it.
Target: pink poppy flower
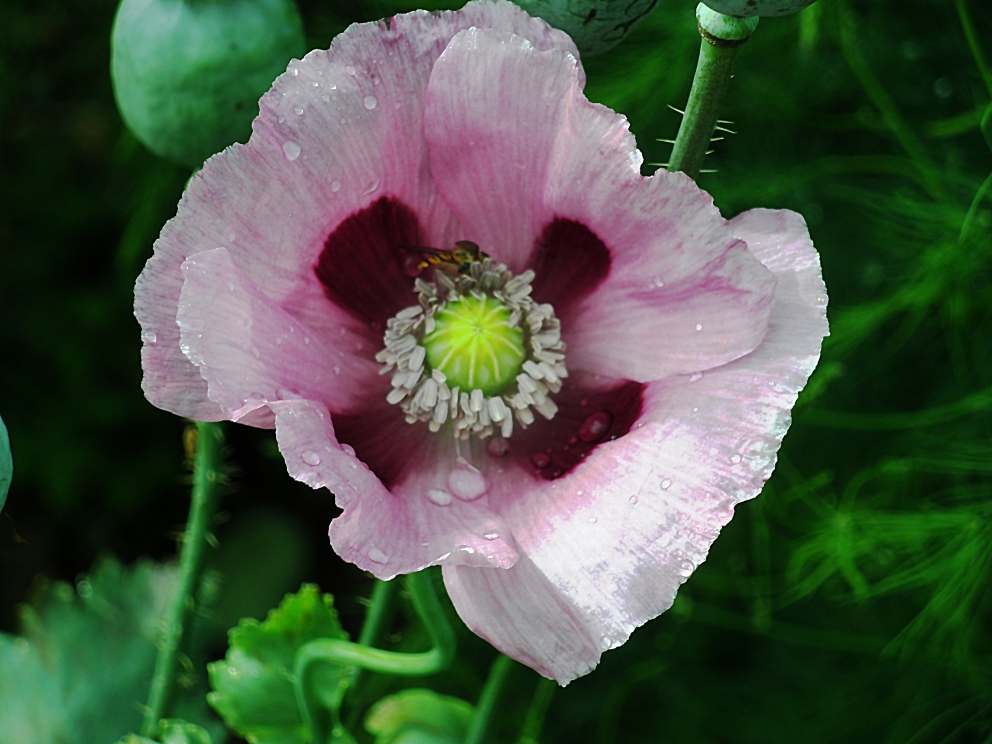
(651, 350)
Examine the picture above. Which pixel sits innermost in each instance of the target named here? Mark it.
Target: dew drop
(335, 186)
(370, 102)
(699, 326)
(491, 535)
(735, 459)
(695, 410)
(291, 150)
(540, 460)
(579, 492)
(350, 70)
(310, 458)
(593, 520)
(298, 110)
(439, 496)
(657, 282)
(336, 369)
(666, 484)
(696, 377)
(466, 482)
(255, 352)
(466, 549)
(149, 337)
(325, 98)
(246, 322)
(294, 71)
(633, 499)
(595, 427)
(686, 568)
(497, 446)
(377, 556)
(231, 236)
(230, 286)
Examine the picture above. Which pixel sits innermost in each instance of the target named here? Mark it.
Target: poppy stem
(487, 700)
(205, 446)
(722, 36)
(377, 621)
(320, 707)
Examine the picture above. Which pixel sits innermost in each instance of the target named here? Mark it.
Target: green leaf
(986, 130)
(81, 671)
(419, 717)
(6, 464)
(253, 685)
(173, 731)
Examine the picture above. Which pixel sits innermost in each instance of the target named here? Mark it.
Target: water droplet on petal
(666, 484)
(466, 549)
(466, 482)
(735, 459)
(593, 520)
(633, 499)
(696, 377)
(291, 150)
(695, 410)
(497, 446)
(310, 458)
(491, 535)
(348, 449)
(230, 286)
(370, 102)
(335, 186)
(350, 70)
(377, 556)
(686, 568)
(149, 337)
(336, 369)
(540, 460)
(439, 496)
(699, 326)
(595, 427)
(294, 71)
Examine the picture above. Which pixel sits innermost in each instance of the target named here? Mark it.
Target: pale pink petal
(619, 534)
(337, 132)
(551, 156)
(383, 532)
(251, 351)
(527, 617)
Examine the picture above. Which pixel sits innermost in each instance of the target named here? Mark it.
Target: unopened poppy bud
(188, 74)
(763, 8)
(594, 25)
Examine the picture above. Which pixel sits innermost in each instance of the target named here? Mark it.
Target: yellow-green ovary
(474, 346)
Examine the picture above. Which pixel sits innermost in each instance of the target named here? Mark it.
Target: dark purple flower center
(367, 269)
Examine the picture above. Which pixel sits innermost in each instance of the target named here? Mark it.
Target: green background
(850, 602)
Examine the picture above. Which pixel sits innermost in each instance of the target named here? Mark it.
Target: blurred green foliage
(848, 603)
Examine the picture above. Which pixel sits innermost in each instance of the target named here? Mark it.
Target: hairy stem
(722, 36)
(209, 441)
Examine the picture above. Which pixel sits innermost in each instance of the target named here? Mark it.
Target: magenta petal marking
(587, 416)
(381, 437)
(364, 267)
(570, 261)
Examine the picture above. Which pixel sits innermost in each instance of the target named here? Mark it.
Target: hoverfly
(456, 261)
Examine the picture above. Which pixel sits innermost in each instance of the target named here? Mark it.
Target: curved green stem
(320, 707)
(179, 615)
(377, 621)
(722, 37)
(487, 700)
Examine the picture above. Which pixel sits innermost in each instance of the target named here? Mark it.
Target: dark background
(848, 603)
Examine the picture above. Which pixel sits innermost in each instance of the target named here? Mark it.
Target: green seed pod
(764, 8)
(188, 74)
(594, 25)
